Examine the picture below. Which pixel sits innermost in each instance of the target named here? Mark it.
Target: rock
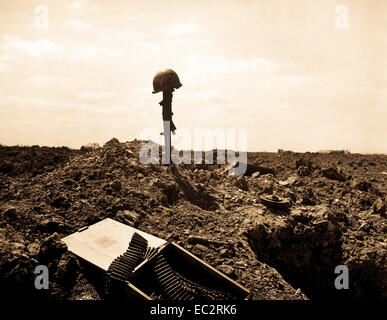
(33, 248)
(227, 270)
(289, 181)
(255, 174)
(16, 270)
(68, 182)
(334, 173)
(379, 207)
(362, 185)
(292, 196)
(308, 197)
(203, 241)
(128, 217)
(241, 183)
(224, 253)
(266, 182)
(304, 171)
(236, 168)
(51, 224)
(198, 239)
(302, 162)
(17, 249)
(68, 267)
(116, 185)
(171, 193)
(321, 226)
(262, 169)
(241, 264)
(129, 154)
(51, 248)
(60, 201)
(200, 248)
(10, 212)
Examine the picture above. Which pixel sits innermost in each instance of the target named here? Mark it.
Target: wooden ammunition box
(143, 281)
(99, 244)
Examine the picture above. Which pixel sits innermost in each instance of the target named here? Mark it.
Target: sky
(297, 75)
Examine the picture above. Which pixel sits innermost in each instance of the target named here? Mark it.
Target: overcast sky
(280, 69)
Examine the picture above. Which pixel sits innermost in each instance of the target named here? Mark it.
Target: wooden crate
(102, 242)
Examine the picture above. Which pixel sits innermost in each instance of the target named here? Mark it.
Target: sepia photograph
(193, 158)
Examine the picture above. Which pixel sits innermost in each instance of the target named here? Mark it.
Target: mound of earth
(337, 217)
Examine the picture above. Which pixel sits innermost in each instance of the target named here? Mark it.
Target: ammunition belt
(174, 286)
(169, 284)
(121, 268)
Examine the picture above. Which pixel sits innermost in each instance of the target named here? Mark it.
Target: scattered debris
(289, 181)
(275, 202)
(128, 217)
(204, 241)
(250, 169)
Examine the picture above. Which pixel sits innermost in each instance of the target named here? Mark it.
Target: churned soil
(337, 216)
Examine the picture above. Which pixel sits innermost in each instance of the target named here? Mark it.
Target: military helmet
(167, 79)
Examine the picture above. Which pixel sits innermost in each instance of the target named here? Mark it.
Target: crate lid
(102, 242)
